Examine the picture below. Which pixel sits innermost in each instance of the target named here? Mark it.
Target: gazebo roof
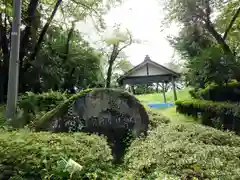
(154, 71)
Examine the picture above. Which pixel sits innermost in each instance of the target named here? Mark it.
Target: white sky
(143, 19)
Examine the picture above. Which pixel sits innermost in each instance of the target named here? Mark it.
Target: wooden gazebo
(149, 72)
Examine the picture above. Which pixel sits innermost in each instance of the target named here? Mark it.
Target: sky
(143, 19)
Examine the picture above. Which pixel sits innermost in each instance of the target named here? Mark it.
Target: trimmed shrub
(226, 92)
(216, 114)
(186, 150)
(40, 155)
(156, 118)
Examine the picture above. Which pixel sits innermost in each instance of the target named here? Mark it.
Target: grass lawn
(158, 97)
(171, 111)
(177, 117)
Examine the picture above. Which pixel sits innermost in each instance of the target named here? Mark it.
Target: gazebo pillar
(174, 89)
(164, 93)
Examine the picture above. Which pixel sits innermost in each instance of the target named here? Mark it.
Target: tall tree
(38, 16)
(117, 43)
(203, 41)
(200, 12)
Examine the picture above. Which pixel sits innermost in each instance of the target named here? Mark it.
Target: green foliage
(32, 106)
(187, 151)
(221, 115)
(144, 89)
(205, 60)
(211, 55)
(156, 118)
(212, 66)
(62, 70)
(60, 110)
(52, 55)
(41, 155)
(33, 103)
(223, 20)
(226, 92)
(170, 151)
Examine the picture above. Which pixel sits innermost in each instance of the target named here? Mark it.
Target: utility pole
(13, 74)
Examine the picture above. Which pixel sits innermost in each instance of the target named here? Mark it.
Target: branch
(208, 9)
(211, 29)
(128, 44)
(231, 23)
(114, 53)
(86, 6)
(218, 38)
(68, 44)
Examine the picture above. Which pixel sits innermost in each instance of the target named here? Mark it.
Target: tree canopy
(53, 54)
(208, 39)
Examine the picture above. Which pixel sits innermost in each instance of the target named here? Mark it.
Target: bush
(40, 155)
(194, 93)
(216, 114)
(225, 92)
(156, 118)
(188, 151)
(33, 103)
(32, 106)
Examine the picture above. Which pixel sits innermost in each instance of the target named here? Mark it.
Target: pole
(13, 74)
(174, 89)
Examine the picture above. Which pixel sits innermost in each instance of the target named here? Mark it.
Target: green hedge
(40, 155)
(226, 92)
(185, 150)
(221, 115)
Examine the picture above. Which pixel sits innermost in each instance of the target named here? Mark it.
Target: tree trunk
(133, 90)
(157, 87)
(69, 85)
(113, 57)
(231, 23)
(42, 34)
(109, 74)
(27, 63)
(68, 45)
(32, 8)
(3, 85)
(4, 43)
(218, 38)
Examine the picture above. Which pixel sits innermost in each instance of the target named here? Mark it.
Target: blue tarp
(160, 105)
